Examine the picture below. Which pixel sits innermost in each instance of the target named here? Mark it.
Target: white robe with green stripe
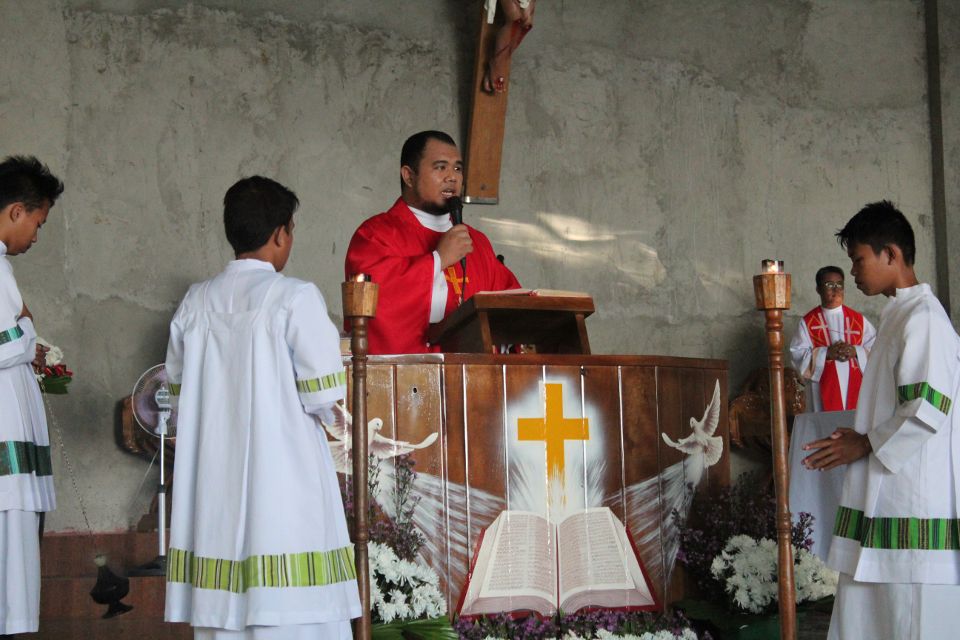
(898, 519)
(26, 480)
(258, 533)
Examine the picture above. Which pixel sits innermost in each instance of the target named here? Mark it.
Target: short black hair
(823, 271)
(25, 179)
(253, 208)
(412, 151)
(879, 224)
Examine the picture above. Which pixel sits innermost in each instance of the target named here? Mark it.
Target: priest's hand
(843, 446)
(25, 313)
(454, 245)
(841, 351)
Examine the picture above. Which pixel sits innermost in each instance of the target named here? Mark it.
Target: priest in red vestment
(831, 346)
(413, 250)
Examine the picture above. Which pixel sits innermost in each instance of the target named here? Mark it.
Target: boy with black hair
(259, 546)
(27, 192)
(896, 541)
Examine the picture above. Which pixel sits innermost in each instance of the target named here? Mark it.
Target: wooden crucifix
(488, 111)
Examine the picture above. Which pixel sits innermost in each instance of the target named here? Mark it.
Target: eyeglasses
(833, 286)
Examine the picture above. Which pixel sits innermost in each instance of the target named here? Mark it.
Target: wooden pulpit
(550, 323)
(497, 423)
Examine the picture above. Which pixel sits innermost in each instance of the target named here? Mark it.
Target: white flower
(748, 569)
(54, 355)
(403, 590)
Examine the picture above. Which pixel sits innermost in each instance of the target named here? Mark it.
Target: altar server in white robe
(27, 191)
(258, 540)
(896, 542)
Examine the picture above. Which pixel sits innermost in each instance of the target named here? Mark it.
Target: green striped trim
(923, 534)
(307, 569)
(909, 392)
(10, 334)
(24, 457)
(329, 381)
(174, 388)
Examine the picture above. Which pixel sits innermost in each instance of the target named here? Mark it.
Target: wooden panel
(418, 412)
(641, 437)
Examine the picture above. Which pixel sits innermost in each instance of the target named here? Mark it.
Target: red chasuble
(397, 251)
(829, 379)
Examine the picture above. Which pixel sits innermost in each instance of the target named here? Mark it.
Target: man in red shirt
(413, 250)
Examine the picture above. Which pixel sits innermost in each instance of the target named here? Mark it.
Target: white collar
(912, 292)
(440, 224)
(249, 264)
(832, 312)
(3, 248)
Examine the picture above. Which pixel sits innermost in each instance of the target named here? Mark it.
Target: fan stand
(158, 566)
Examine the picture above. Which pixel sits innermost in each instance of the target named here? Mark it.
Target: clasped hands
(843, 446)
(454, 245)
(841, 351)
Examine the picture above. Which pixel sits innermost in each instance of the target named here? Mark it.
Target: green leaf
(55, 384)
(425, 629)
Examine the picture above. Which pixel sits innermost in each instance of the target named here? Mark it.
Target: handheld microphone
(455, 206)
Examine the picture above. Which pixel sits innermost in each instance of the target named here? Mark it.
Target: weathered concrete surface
(655, 153)
(950, 99)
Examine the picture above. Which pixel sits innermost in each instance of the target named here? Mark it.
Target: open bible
(526, 562)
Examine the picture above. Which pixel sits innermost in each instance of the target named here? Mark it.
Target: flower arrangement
(747, 508)
(748, 570)
(401, 589)
(727, 546)
(600, 624)
(405, 597)
(55, 376)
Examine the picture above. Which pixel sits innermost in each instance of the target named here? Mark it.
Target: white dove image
(377, 445)
(702, 440)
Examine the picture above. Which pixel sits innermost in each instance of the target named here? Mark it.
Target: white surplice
(809, 360)
(26, 480)
(258, 532)
(898, 521)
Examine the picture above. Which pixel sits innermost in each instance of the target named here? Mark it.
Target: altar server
(831, 346)
(413, 251)
(27, 192)
(895, 540)
(258, 543)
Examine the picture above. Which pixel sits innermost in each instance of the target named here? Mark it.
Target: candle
(361, 277)
(772, 266)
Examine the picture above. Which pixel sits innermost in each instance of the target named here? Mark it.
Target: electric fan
(154, 412)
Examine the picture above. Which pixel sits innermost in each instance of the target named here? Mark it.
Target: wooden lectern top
(550, 323)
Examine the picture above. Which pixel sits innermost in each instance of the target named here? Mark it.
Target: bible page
(591, 553)
(523, 558)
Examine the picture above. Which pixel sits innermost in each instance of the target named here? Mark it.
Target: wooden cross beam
(488, 114)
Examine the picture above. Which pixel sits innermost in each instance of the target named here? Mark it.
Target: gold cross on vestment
(850, 332)
(553, 429)
(451, 276)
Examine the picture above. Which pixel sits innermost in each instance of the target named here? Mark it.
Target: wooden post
(772, 292)
(488, 116)
(359, 305)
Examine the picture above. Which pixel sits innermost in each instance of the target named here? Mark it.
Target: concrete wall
(655, 153)
(950, 99)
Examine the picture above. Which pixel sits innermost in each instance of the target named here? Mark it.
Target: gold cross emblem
(553, 429)
(451, 276)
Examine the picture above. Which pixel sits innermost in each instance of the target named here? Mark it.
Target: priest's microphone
(455, 207)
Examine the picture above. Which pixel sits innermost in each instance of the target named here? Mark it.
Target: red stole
(830, 380)
(397, 251)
